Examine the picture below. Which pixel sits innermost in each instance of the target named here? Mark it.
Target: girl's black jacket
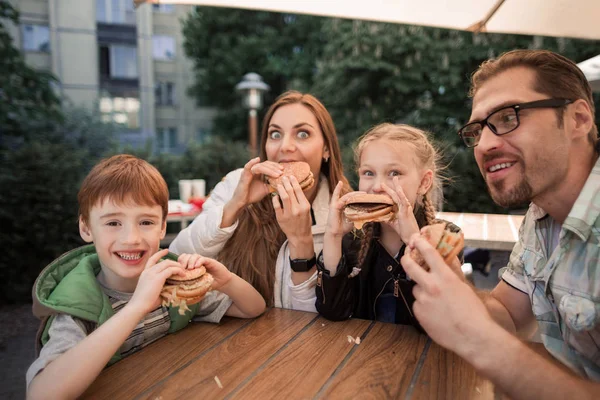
(342, 296)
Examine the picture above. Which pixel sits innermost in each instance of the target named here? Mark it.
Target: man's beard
(519, 195)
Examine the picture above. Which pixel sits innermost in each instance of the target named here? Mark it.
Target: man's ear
(85, 232)
(426, 182)
(163, 230)
(582, 119)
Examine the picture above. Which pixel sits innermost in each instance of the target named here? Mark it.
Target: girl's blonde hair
(425, 155)
(252, 251)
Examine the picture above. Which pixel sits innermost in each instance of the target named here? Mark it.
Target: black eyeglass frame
(546, 103)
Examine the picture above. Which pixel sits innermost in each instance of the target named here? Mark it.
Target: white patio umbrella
(561, 18)
(591, 69)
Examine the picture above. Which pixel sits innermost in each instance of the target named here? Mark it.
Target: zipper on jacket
(377, 297)
(320, 284)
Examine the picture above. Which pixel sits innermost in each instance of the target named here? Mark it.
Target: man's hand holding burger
(446, 306)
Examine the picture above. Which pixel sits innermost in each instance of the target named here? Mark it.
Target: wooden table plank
(136, 373)
(445, 375)
(302, 368)
(236, 359)
(382, 365)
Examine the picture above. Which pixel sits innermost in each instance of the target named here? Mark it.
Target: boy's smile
(125, 236)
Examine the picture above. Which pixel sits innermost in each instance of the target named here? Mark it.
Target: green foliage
(364, 72)
(227, 43)
(375, 72)
(28, 104)
(38, 211)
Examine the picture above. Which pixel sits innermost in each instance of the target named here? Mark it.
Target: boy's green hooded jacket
(68, 285)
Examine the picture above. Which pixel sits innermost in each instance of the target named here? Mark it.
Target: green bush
(38, 211)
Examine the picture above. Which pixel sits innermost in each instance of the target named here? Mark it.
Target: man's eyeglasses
(504, 120)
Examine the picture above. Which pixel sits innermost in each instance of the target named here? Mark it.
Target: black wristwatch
(303, 265)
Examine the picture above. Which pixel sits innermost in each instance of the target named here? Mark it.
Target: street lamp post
(252, 88)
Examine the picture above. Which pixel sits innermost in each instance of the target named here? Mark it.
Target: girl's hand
(220, 273)
(146, 296)
(292, 210)
(252, 188)
(337, 225)
(405, 223)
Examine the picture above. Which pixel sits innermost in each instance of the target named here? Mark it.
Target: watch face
(301, 265)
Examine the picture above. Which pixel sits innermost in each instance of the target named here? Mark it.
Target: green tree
(225, 44)
(373, 72)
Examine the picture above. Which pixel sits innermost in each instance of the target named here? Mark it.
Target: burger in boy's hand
(447, 243)
(183, 290)
(299, 169)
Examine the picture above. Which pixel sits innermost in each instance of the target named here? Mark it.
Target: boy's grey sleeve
(65, 332)
(213, 307)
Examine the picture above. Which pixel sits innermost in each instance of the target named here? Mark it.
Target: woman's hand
(337, 225)
(404, 223)
(292, 210)
(252, 187)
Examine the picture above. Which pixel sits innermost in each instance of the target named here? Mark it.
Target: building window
(124, 111)
(36, 38)
(118, 61)
(163, 8)
(202, 135)
(163, 47)
(164, 93)
(166, 139)
(115, 12)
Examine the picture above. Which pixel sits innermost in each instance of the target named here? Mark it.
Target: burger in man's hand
(183, 290)
(299, 169)
(447, 243)
(363, 207)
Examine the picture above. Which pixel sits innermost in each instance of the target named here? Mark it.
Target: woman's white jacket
(205, 236)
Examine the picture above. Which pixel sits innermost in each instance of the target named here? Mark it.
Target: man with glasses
(535, 141)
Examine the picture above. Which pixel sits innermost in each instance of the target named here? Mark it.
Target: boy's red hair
(123, 178)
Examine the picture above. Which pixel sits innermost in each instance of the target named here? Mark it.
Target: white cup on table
(198, 188)
(185, 190)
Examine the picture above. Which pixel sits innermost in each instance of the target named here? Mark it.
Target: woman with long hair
(271, 241)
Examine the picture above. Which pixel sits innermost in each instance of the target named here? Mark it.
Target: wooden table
(288, 354)
(487, 231)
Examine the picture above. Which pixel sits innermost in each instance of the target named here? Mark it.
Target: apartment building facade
(128, 62)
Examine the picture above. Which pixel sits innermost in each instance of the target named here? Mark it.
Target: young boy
(101, 302)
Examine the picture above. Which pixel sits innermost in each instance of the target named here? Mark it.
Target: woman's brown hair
(427, 157)
(252, 251)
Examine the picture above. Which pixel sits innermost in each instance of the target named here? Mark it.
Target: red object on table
(197, 202)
